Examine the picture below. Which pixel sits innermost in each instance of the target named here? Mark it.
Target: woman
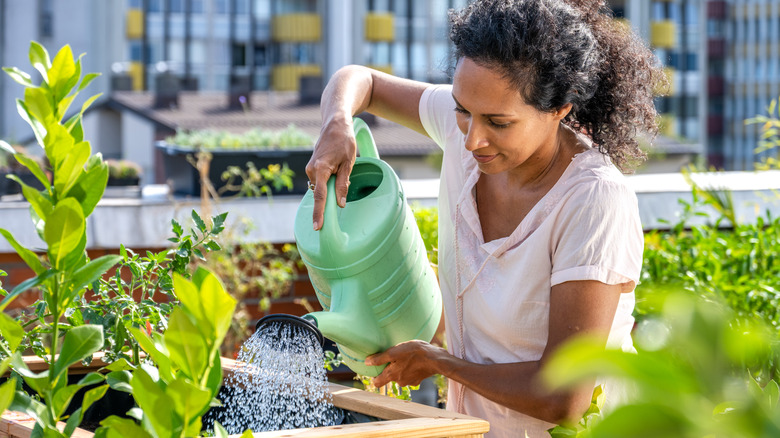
(539, 236)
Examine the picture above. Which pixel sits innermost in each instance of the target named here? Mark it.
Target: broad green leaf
(71, 167)
(79, 343)
(120, 364)
(40, 105)
(214, 379)
(93, 270)
(190, 401)
(19, 76)
(62, 399)
(38, 128)
(64, 104)
(187, 350)
(116, 427)
(58, 144)
(12, 332)
(220, 304)
(91, 379)
(25, 286)
(39, 382)
(73, 422)
(76, 259)
(87, 103)
(120, 381)
(64, 230)
(29, 257)
(189, 296)
(39, 202)
(7, 393)
(644, 421)
(220, 431)
(22, 402)
(89, 187)
(34, 167)
(148, 394)
(93, 395)
(62, 70)
(39, 58)
(156, 351)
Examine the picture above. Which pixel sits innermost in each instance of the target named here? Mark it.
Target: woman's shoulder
(593, 176)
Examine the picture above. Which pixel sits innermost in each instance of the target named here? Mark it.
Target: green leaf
(39, 382)
(39, 105)
(12, 332)
(25, 286)
(198, 221)
(221, 305)
(7, 393)
(116, 427)
(190, 402)
(120, 364)
(66, 175)
(89, 187)
(88, 78)
(93, 270)
(177, 228)
(57, 144)
(62, 71)
(19, 76)
(7, 147)
(120, 381)
(64, 230)
(644, 421)
(62, 399)
(34, 167)
(218, 223)
(153, 400)
(156, 351)
(220, 431)
(38, 201)
(79, 343)
(29, 257)
(189, 296)
(38, 128)
(187, 350)
(24, 403)
(39, 58)
(93, 395)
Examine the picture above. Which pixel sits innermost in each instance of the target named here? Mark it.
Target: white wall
(137, 139)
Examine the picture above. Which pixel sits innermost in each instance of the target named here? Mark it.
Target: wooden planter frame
(401, 419)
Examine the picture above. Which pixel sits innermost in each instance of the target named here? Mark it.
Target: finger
(320, 195)
(378, 359)
(342, 183)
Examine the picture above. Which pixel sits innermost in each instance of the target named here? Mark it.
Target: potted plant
(123, 173)
(229, 155)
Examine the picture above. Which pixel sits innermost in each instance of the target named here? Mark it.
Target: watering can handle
(365, 141)
(330, 231)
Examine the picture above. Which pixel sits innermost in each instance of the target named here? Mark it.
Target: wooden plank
(385, 407)
(409, 428)
(19, 425)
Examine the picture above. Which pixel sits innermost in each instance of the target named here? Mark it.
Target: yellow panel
(383, 68)
(136, 72)
(287, 77)
(667, 89)
(663, 34)
(379, 27)
(667, 125)
(296, 28)
(134, 24)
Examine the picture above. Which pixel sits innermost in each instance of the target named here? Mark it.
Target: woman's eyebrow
(484, 115)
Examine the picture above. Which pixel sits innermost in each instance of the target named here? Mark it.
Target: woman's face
(503, 133)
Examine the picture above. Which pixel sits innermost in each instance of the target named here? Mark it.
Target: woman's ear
(563, 111)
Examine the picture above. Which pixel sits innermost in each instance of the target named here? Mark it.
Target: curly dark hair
(568, 51)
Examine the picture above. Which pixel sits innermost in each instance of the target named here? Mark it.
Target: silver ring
(311, 185)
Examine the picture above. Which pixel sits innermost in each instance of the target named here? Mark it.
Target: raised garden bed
(399, 418)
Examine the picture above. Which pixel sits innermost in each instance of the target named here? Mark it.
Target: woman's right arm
(352, 90)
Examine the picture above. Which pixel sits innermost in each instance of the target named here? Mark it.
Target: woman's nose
(474, 138)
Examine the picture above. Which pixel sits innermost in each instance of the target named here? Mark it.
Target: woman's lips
(483, 158)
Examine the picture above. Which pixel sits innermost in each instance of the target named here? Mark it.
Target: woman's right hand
(334, 153)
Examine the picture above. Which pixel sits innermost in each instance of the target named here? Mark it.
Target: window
(261, 55)
(238, 58)
(176, 6)
(136, 52)
(155, 5)
(196, 6)
(221, 6)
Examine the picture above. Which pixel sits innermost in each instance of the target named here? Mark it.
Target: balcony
(716, 47)
(380, 27)
(296, 28)
(663, 34)
(717, 9)
(715, 86)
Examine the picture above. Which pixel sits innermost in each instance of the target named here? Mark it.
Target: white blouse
(497, 294)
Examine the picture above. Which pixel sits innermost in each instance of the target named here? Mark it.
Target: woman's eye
(460, 110)
(498, 125)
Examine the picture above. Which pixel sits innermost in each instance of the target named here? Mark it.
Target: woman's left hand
(408, 363)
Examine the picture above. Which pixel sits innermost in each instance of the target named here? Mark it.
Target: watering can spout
(343, 330)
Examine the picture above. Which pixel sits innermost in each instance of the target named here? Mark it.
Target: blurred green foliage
(290, 137)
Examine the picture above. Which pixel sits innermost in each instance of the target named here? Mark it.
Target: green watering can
(368, 264)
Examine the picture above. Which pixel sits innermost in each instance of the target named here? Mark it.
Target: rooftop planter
(290, 147)
(397, 418)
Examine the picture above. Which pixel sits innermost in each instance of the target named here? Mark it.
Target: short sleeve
(598, 235)
(435, 101)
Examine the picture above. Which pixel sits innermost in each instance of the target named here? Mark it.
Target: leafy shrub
(291, 137)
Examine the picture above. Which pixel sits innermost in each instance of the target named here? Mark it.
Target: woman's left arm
(576, 307)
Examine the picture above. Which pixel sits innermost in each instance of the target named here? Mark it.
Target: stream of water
(280, 383)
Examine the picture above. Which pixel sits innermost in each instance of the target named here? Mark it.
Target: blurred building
(722, 59)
